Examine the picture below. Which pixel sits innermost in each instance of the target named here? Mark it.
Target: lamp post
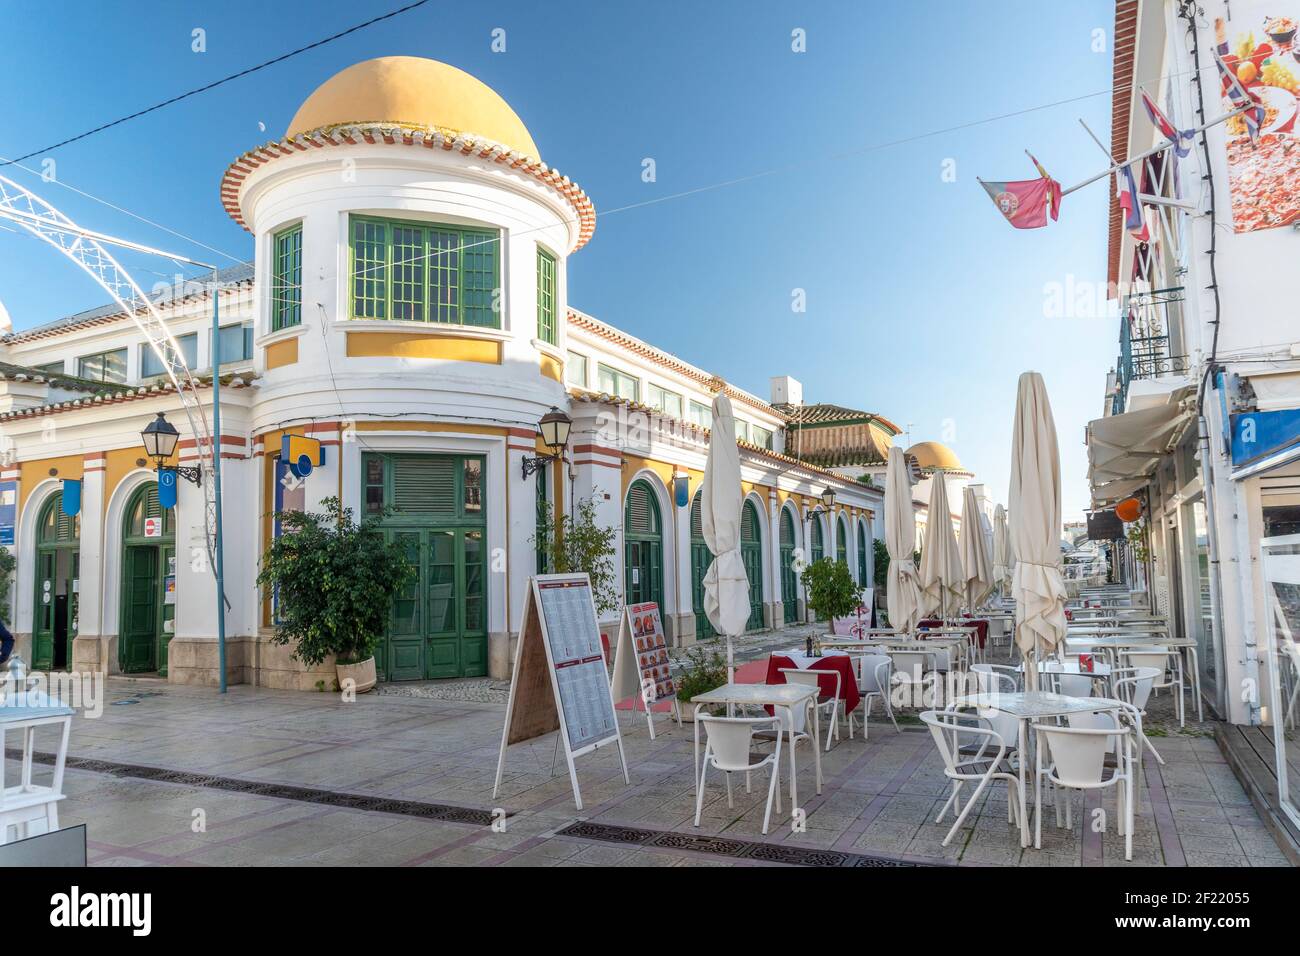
(554, 429)
(160, 437)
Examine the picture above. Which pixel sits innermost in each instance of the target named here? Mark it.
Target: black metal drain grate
(330, 798)
(722, 846)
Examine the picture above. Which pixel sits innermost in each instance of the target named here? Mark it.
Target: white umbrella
(942, 577)
(902, 588)
(976, 562)
(726, 588)
(1035, 525)
(1001, 548)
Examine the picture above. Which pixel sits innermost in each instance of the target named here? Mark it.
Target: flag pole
(1158, 149)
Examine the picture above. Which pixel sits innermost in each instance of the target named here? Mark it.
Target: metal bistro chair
(826, 705)
(972, 752)
(1078, 762)
(875, 676)
(1168, 663)
(727, 748)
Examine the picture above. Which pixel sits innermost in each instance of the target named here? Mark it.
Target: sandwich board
(559, 681)
(641, 667)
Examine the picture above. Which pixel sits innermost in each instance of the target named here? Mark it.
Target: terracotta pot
(363, 672)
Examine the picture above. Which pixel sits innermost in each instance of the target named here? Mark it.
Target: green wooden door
(54, 620)
(841, 542)
(438, 623)
(148, 615)
(643, 547)
(817, 550)
(140, 620)
(863, 580)
(701, 558)
(789, 580)
(751, 552)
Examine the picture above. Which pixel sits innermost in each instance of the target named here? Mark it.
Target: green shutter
(642, 513)
(286, 289)
(424, 485)
(546, 330)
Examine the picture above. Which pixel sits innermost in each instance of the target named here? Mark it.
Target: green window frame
(286, 288)
(546, 297)
(618, 384)
(423, 272)
(107, 366)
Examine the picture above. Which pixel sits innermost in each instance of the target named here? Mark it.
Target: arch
(25, 568)
(56, 572)
(148, 546)
(645, 551)
(111, 556)
(789, 544)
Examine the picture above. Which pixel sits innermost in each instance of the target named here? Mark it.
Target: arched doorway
(751, 552)
(701, 558)
(148, 583)
(58, 569)
(817, 547)
(841, 541)
(862, 556)
(789, 580)
(643, 547)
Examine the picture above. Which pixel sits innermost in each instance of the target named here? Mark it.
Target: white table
(785, 696)
(27, 802)
(1032, 706)
(1111, 641)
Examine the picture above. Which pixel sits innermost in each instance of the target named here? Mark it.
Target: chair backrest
(1153, 657)
(729, 739)
(1133, 684)
(912, 664)
(1097, 720)
(991, 681)
(1078, 753)
(952, 730)
(810, 678)
(874, 671)
(1064, 682)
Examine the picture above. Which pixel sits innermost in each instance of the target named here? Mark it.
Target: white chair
(1133, 687)
(955, 736)
(727, 749)
(1078, 757)
(912, 671)
(998, 686)
(875, 672)
(1168, 662)
(829, 706)
(1069, 683)
(27, 807)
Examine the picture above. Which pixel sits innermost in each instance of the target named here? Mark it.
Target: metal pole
(219, 542)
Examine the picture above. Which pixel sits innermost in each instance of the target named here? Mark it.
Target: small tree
(333, 581)
(577, 544)
(880, 566)
(832, 592)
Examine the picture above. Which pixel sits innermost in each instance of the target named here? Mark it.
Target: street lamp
(554, 429)
(160, 437)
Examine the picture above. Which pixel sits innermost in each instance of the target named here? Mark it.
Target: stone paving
(879, 800)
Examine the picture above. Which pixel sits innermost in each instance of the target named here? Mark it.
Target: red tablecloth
(832, 663)
(981, 626)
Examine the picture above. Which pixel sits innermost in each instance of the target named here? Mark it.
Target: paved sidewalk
(394, 780)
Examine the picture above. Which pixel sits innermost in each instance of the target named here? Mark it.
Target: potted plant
(704, 671)
(832, 591)
(576, 543)
(333, 579)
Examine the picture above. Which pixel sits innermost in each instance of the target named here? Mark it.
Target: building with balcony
(1201, 414)
(406, 306)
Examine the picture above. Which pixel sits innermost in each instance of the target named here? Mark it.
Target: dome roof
(931, 454)
(413, 91)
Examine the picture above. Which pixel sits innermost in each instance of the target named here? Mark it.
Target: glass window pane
(235, 343)
(575, 370)
(546, 326)
(369, 269)
(473, 486)
(478, 264)
(442, 581)
(408, 273)
(286, 289)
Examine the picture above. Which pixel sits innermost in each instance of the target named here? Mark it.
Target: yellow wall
(423, 345)
(282, 353)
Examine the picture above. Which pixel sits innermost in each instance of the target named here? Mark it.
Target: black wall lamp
(160, 437)
(554, 428)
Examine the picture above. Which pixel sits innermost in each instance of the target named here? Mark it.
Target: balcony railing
(1150, 336)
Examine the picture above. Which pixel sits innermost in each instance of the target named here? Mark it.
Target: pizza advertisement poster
(1258, 42)
(651, 646)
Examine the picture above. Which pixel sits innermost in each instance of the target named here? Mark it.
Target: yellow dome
(415, 91)
(930, 454)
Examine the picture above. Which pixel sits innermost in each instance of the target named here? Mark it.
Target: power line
(213, 85)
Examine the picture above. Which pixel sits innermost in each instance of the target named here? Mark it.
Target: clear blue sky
(922, 303)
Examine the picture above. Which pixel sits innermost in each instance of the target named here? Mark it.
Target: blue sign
(71, 496)
(681, 490)
(167, 487)
(1256, 434)
(303, 454)
(8, 510)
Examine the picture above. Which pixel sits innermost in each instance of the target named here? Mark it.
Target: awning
(1130, 446)
(1113, 492)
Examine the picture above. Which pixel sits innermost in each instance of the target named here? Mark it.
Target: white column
(774, 609)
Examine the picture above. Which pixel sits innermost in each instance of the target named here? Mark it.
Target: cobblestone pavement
(408, 780)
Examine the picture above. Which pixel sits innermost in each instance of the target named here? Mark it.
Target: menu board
(559, 681)
(642, 669)
(574, 639)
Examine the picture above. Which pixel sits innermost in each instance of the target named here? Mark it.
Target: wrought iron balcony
(1150, 336)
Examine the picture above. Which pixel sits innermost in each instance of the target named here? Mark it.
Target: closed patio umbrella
(976, 562)
(726, 588)
(902, 587)
(1034, 500)
(942, 578)
(1001, 547)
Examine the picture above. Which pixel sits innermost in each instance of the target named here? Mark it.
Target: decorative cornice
(428, 137)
